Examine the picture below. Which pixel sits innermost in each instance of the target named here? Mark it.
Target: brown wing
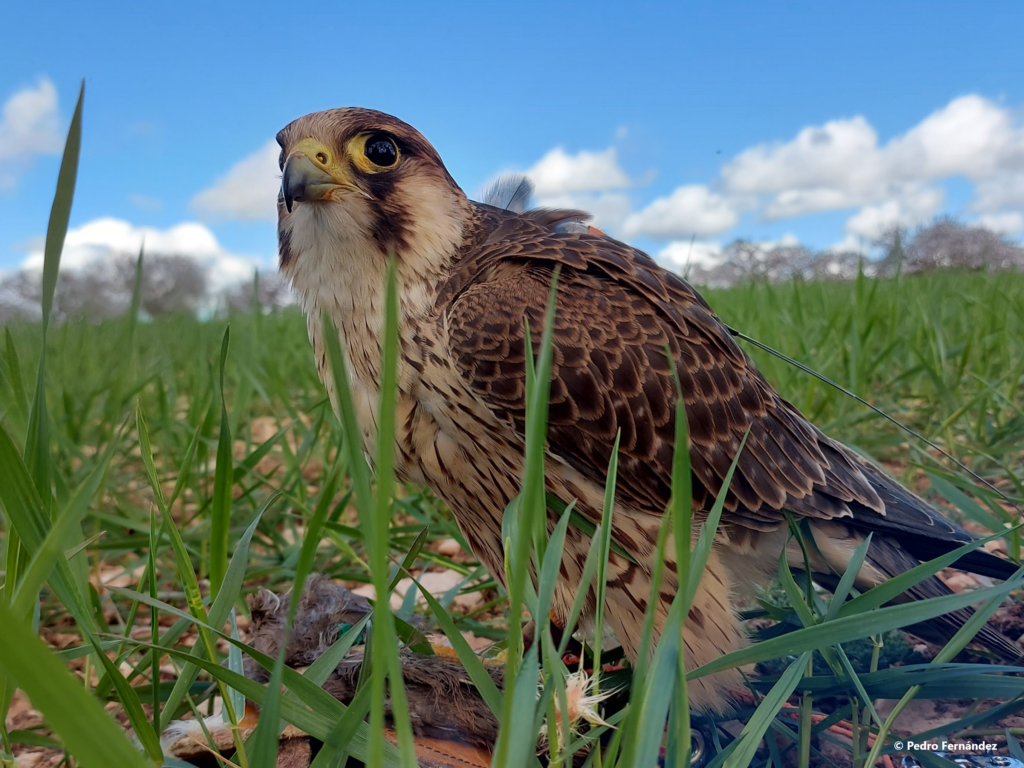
(617, 311)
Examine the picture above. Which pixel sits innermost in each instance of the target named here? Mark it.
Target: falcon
(360, 187)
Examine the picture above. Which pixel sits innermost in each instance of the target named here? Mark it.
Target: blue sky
(706, 121)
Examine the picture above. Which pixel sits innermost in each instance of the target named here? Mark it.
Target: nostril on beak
(303, 180)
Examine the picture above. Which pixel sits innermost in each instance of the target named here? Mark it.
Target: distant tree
(103, 289)
(20, 295)
(892, 244)
(268, 290)
(174, 283)
(942, 244)
(949, 244)
(749, 260)
(94, 294)
(787, 262)
(838, 265)
(170, 283)
(718, 276)
(745, 257)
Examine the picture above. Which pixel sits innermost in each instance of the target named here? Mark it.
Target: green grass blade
(384, 635)
(60, 212)
(262, 745)
(220, 608)
(129, 697)
(311, 542)
(957, 643)
(796, 598)
(20, 496)
(755, 729)
(184, 467)
(17, 383)
(27, 514)
(964, 503)
(577, 520)
(537, 424)
(842, 590)
(324, 667)
(410, 558)
(374, 511)
(78, 718)
(854, 627)
(586, 579)
(530, 522)
(681, 509)
(334, 747)
(305, 705)
(52, 547)
(517, 736)
(470, 661)
(235, 663)
(154, 618)
(220, 510)
(706, 538)
(897, 585)
(657, 695)
(263, 741)
(552, 560)
(358, 471)
(37, 447)
(603, 553)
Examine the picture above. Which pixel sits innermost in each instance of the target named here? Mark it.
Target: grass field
(174, 465)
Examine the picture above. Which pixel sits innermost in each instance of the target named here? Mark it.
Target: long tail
(834, 545)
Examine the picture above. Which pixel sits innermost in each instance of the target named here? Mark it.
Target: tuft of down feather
(510, 192)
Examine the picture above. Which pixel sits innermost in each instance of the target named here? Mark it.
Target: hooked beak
(304, 180)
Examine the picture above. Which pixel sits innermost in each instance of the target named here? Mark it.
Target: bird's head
(359, 186)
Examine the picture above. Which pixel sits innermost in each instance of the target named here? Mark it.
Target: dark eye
(381, 150)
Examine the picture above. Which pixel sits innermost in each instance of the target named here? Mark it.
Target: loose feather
(510, 192)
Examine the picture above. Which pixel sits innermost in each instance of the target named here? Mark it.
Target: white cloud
(841, 164)
(107, 238)
(30, 124)
(788, 240)
(247, 191)
(587, 181)
(792, 203)
(999, 192)
(609, 209)
(970, 136)
(682, 254)
(690, 210)
(559, 173)
(823, 167)
(819, 156)
(906, 211)
(1009, 223)
(849, 244)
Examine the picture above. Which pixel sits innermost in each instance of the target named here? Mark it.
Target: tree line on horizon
(177, 284)
(944, 243)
